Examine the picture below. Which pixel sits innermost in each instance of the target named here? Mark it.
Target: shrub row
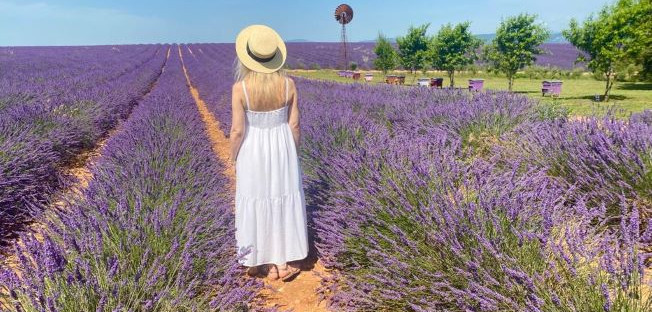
(153, 231)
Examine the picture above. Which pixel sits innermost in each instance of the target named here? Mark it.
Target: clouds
(46, 24)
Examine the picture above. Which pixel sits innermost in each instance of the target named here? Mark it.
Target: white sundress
(270, 209)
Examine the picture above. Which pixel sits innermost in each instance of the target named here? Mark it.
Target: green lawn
(577, 94)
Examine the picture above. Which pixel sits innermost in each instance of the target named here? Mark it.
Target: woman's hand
(293, 119)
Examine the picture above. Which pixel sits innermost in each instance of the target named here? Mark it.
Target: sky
(91, 22)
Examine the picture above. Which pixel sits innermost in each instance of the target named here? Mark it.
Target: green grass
(577, 94)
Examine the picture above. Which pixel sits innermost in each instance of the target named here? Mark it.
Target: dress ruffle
(274, 228)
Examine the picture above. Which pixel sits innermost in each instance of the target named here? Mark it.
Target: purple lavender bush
(643, 117)
(54, 103)
(152, 232)
(409, 222)
(603, 158)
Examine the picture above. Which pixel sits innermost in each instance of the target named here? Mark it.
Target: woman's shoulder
(236, 87)
(291, 83)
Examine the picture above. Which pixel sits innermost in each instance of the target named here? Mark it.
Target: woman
(269, 202)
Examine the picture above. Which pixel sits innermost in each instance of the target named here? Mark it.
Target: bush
(421, 226)
(602, 158)
(550, 111)
(643, 117)
(353, 65)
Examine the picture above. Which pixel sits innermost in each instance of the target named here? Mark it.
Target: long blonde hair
(261, 87)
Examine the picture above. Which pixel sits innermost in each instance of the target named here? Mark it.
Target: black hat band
(260, 59)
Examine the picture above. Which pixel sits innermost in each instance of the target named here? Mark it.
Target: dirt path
(218, 139)
(300, 293)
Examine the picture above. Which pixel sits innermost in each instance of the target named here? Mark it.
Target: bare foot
(286, 272)
(272, 274)
(252, 271)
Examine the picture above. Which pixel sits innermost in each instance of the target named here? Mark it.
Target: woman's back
(266, 92)
(266, 117)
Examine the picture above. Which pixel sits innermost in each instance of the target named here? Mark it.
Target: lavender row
(153, 230)
(210, 67)
(40, 135)
(64, 74)
(424, 201)
(604, 159)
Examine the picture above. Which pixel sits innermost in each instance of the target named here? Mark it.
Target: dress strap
(244, 89)
(286, 91)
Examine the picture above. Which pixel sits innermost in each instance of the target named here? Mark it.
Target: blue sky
(78, 22)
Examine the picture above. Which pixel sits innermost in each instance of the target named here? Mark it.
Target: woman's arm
(237, 121)
(293, 119)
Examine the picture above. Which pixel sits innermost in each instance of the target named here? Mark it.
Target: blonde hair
(261, 87)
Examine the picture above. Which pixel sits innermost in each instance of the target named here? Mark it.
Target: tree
(454, 48)
(644, 26)
(385, 55)
(633, 20)
(413, 48)
(516, 44)
(612, 39)
(353, 65)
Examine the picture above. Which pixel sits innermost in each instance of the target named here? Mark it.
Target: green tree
(353, 65)
(635, 21)
(516, 45)
(611, 39)
(454, 48)
(386, 57)
(413, 48)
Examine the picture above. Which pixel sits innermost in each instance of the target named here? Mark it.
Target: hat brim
(271, 66)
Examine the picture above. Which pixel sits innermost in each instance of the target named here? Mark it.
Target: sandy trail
(299, 294)
(218, 139)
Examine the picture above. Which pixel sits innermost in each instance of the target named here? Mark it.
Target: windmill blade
(343, 13)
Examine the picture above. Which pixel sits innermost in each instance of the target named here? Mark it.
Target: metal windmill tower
(344, 15)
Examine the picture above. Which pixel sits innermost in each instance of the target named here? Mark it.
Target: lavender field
(322, 55)
(54, 103)
(411, 188)
(419, 199)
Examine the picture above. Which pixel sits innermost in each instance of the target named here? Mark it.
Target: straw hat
(260, 49)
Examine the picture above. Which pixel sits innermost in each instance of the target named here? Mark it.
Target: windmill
(344, 15)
